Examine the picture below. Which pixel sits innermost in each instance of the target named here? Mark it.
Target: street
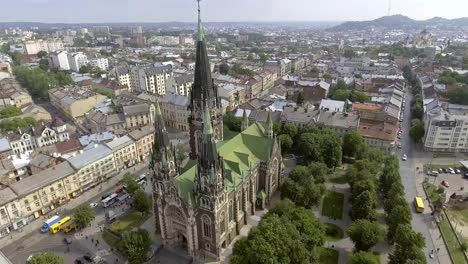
(19, 250)
(412, 180)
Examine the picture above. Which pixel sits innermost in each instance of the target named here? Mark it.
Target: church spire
(245, 121)
(201, 32)
(269, 130)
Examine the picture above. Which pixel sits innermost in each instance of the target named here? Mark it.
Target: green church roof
(239, 153)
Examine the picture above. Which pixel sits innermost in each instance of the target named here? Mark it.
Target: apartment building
(59, 60)
(138, 115)
(182, 84)
(36, 195)
(446, 128)
(155, 78)
(33, 47)
(281, 67)
(93, 165)
(75, 101)
(41, 135)
(124, 150)
(76, 60)
(12, 94)
(165, 40)
(234, 95)
(144, 139)
(174, 109)
(101, 63)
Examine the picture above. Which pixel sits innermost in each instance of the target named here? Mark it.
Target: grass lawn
(431, 190)
(461, 215)
(111, 240)
(328, 255)
(452, 243)
(333, 232)
(129, 221)
(332, 205)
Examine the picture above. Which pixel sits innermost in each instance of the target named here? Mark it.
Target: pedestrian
(438, 249)
(432, 251)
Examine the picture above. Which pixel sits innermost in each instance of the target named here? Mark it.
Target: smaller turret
(269, 129)
(245, 121)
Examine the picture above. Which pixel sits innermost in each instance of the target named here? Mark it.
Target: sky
(102, 11)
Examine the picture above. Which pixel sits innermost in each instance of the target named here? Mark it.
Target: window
(28, 208)
(3, 213)
(223, 223)
(206, 225)
(231, 211)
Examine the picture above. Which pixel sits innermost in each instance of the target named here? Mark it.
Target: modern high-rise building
(76, 60)
(59, 60)
(203, 206)
(33, 47)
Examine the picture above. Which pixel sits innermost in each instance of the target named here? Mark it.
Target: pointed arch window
(231, 211)
(222, 222)
(206, 226)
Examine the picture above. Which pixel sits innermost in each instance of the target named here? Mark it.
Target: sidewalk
(33, 227)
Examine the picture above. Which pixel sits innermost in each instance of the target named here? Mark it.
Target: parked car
(434, 172)
(404, 157)
(444, 170)
(445, 183)
(457, 171)
(93, 205)
(440, 170)
(88, 258)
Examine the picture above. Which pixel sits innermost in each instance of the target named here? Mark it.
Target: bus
(47, 224)
(109, 200)
(59, 225)
(68, 226)
(141, 179)
(419, 204)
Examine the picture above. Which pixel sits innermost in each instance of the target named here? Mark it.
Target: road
(19, 251)
(412, 179)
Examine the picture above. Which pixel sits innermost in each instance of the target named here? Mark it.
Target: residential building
(34, 46)
(138, 115)
(314, 91)
(59, 60)
(332, 105)
(234, 95)
(93, 165)
(36, 195)
(446, 128)
(101, 63)
(124, 151)
(155, 79)
(268, 80)
(74, 101)
(182, 84)
(144, 140)
(76, 60)
(227, 182)
(98, 122)
(175, 111)
(12, 94)
(165, 40)
(280, 67)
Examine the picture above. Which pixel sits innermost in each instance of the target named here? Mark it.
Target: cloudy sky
(77, 11)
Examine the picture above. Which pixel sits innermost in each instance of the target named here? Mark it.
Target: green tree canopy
(84, 215)
(290, 130)
(224, 68)
(41, 54)
(408, 248)
(364, 206)
(362, 257)
(141, 202)
(46, 258)
(458, 95)
(417, 130)
(232, 122)
(352, 143)
(366, 234)
(131, 186)
(136, 245)
(286, 143)
(399, 215)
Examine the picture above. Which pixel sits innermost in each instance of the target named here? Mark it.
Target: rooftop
(119, 143)
(90, 155)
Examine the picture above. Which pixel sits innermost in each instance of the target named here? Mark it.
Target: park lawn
(332, 205)
(328, 255)
(129, 221)
(333, 232)
(339, 179)
(111, 240)
(453, 247)
(461, 215)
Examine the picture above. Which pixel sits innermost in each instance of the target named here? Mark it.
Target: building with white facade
(150, 78)
(33, 47)
(76, 60)
(446, 128)
(59, 60)
(101, 63)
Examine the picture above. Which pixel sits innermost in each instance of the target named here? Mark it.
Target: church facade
(202, 205)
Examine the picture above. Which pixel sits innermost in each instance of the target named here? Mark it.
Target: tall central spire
(201, 33)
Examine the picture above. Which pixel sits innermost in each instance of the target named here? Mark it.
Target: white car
(404, 157)
(93, 205)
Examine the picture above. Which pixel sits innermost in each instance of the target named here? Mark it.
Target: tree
(290, 130)
(41, 54)
(364, 206)
(352, 143)
(141, 202)
(84, 215)
(408, 247)
(86, 68)
(399, 215)
(300, 187)
(286, 143)
(136, 245)
(46, 258)
(319, 171)
(232, 122)
(362, 257)
(417, 130)
(366, 234)
(131, 186)
(349, 53)
(331, 149)
(417, 110)
(224, 68)
(458, 95)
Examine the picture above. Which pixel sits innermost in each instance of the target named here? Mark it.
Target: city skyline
(122, 11)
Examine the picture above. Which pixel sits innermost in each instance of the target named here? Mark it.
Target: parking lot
(452, 180)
